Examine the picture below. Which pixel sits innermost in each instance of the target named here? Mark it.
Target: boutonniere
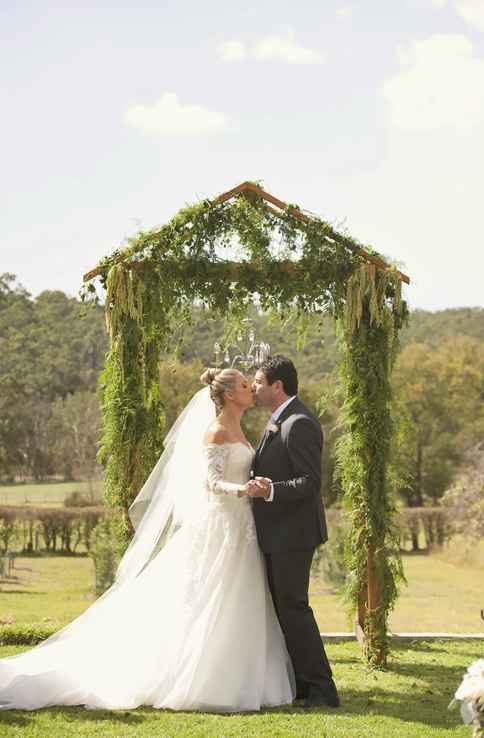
(272, 428)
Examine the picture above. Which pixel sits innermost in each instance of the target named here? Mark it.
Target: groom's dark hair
(280, 367)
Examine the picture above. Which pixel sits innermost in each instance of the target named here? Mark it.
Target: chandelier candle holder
(254, 354)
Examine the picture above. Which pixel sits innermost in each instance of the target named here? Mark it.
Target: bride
(189, 622)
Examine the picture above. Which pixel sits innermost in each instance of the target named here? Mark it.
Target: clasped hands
(258, 487)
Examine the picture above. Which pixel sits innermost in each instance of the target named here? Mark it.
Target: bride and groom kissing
(209, 609)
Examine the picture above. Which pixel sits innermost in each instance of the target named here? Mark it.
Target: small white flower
(472, 685)
(477, 668)
(471, 689)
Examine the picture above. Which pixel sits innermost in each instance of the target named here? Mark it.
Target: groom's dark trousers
(289, 529)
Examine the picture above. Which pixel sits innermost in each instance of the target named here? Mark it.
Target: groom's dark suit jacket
(291, 457)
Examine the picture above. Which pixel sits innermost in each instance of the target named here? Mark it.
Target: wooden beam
(231, 193)
(307, 219)
(218, 201)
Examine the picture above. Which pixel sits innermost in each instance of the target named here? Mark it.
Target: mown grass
(408, 700)
(44, 494)
(52, 589)
(444, 593)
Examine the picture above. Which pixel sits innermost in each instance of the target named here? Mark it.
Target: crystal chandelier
(249, 353)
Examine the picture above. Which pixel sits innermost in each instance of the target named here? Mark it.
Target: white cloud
(472, 11)
(344, 12)
(438, 86)
(285, 49)
(168, 117)
(271, 48)
(232, 51)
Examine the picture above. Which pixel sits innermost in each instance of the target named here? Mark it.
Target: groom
(290, 521)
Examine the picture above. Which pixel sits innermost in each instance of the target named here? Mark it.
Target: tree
(439, 399)
(46, 352)
(465, 498)
(74, 430)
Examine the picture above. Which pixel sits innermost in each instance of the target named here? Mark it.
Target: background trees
(50, 360)
(47, 354)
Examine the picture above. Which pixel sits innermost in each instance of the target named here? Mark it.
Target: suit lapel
(268, 436)
(262, 442)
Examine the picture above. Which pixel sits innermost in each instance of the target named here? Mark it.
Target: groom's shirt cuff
(271, 494)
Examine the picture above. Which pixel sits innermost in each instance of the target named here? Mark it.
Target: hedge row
(423, 527)
(54, 529)
(24, 634)
(64, 530)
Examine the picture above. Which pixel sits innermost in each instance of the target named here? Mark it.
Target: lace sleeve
(216, 454)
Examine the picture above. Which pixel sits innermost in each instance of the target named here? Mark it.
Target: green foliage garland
(292, 266)
(370, 330)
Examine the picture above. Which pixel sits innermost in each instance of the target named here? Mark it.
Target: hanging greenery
(292, 263)
(373, 315)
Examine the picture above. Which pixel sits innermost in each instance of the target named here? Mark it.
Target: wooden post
(374, 598)
(369, 600)
(360, 615)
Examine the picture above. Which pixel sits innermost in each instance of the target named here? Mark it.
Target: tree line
(51, 359)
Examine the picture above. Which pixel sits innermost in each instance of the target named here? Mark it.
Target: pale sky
(370, 114)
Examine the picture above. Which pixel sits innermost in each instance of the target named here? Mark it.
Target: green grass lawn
(53, 589)
(443, 592)
(46, 494)
(442, 595)
(408, 700)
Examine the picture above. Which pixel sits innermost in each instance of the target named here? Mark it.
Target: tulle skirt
(196, 630)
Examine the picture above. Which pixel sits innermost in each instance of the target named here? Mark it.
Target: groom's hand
(259, 487)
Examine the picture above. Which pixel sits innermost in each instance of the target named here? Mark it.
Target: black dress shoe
(319, 696)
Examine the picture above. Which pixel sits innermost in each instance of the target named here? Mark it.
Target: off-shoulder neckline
(229, 443)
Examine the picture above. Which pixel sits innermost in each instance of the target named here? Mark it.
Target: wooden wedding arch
(293, 261)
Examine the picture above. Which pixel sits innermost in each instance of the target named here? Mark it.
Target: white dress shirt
(275, 415)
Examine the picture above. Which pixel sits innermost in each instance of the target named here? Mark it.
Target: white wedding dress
(195, 630)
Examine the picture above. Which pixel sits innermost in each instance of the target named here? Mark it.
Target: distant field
(48, 494)
(442, 595)
(50, 589)
(444, 592)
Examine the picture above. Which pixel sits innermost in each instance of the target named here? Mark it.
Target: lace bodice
(228, 467)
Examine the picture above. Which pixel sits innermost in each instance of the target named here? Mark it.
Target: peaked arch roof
(276, 206)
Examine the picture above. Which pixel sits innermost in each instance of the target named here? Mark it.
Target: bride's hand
(249, 487)
(259, 487)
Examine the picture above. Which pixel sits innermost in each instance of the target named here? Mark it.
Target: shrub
(63, 529)
(333, 563)
(28, 634)
(329, 558)
(9, 529)
(105, 553)
(465, 499)
(76, 499)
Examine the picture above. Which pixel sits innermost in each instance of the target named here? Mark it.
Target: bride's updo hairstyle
(219, 381)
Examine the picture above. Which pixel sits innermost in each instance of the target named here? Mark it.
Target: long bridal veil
(174, 488)
(172, 492)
